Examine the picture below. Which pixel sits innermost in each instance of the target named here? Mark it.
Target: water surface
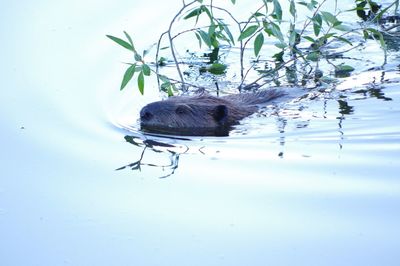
(313, 182)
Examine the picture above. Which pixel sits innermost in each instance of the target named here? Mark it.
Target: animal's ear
(220, 113)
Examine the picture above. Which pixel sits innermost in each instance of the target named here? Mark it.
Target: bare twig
(157, 53)
(172, 44)
(175, 81)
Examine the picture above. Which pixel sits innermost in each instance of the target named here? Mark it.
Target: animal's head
(187, 116)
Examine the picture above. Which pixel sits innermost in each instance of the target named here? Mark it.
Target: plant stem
(157, 53)
(172, 44)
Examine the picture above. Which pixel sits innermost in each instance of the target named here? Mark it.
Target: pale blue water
(315, 184)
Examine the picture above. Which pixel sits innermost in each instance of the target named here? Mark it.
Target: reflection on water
(154, 146)
(332, 116)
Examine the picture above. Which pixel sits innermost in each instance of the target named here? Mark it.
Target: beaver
(202, 114)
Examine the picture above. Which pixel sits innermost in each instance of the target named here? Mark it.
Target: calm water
(313, 182)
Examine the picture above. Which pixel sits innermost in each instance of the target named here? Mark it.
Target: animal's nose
(145, 114)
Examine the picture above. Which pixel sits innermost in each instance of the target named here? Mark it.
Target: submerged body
(202, 115)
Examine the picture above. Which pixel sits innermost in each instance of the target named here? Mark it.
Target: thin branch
(308, 21)
(186, 31)
(175, 81)
(172, 44)
(157, 53)
(241, 41)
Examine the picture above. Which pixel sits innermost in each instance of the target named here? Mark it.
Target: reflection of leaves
(345, 108)
(343, 71)
(374, 91)
(377, 93)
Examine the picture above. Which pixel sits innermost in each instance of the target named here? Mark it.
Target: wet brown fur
(203, 114)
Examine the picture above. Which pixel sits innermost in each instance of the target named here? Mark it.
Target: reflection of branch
(391, 27)
(174, 160)
(136, 165)
(155, 146)
(174, 164)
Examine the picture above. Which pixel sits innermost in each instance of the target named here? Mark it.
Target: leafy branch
(305, 46)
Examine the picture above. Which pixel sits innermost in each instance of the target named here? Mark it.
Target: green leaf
(121, 42)
(329, 17)
(228, 32)
(165, 86)
(208, 13)
(194, 13)
(217, 68)
(379, 35)
(274, 30)
(345, 68)
(292, 38)
(317, 23)
(317, 28)
(164, 79)
(343, 40)
(146, 70)
(258, 43)
(256, 15)
(128, 76)
(233, 1)
(308, 38)
(141, 82)
(138, 57)
(146, 52)
(310, 5)
(277, 13)
(129, 39)
(314, 56)
(248, 32)
(292, 9)
(198, 38)
(222, 36)
(170, 90)
(205, 37)
(211, 29)
(302, 3)
(343, 71)
(281, 45)
(366, 34)
(327, 36)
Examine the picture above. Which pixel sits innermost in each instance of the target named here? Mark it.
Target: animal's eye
(181, 109)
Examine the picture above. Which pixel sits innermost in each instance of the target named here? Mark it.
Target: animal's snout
(145, 114)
